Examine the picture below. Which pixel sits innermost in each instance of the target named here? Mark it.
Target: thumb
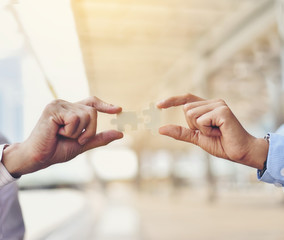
(180, 133)
(102, 139)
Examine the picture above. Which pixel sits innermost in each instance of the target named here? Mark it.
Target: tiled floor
(122, 213)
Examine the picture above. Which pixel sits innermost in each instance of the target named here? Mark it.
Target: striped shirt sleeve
(5, 176)
(275, 161)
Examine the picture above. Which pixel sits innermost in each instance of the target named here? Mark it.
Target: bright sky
(51, 29)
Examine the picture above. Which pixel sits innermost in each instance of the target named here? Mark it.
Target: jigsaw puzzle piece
(124, 119)
(153, 117)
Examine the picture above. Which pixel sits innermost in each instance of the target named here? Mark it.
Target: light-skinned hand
(63, 131)
(213, 127)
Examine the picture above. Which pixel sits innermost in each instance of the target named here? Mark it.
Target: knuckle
(199, 121)
(190, 114)
(57, 102)
(92, 112)
(221, 101)
(183, 133)
(225, 110)
(89, 101)
(179, 133)
(74, 118)
(188, 106)
(92, 98)
(54, 104)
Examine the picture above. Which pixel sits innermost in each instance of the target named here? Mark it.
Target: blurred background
(132, 53)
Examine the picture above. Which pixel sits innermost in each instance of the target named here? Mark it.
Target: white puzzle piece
(150, 119)
(124, 119)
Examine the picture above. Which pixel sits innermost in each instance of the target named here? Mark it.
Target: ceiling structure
(137, 44)
(137, 52)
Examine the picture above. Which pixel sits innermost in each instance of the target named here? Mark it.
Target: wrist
(13, 158)
(258, 153)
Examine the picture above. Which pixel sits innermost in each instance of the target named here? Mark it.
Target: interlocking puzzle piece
(126, 118)
(152, 117)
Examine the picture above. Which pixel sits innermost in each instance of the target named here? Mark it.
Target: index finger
(100, 105)
(178, 100)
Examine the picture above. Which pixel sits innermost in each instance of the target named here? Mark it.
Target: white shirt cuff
(5, 177)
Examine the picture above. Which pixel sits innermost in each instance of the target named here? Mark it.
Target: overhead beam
(222, 42)
(244, 35)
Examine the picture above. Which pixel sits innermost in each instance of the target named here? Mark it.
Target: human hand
(63, 131)
(213, 127)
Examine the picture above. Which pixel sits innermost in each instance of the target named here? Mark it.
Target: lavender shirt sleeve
(11, 220)
(5, 177)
